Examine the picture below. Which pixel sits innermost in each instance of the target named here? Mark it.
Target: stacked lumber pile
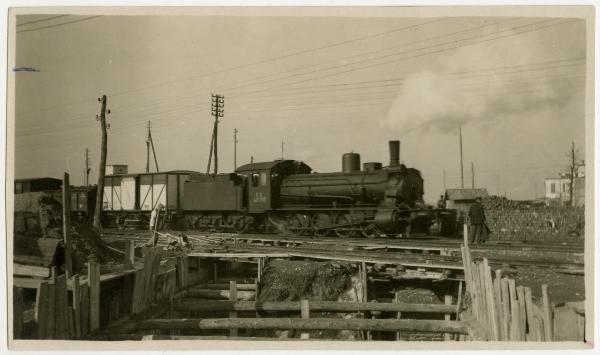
(518, 220)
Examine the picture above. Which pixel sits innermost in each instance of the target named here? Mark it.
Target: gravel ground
(561, 287)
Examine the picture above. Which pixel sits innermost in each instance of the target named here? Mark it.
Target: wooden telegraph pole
(148, 148)
(462, 178)
(150, 144)
(86, 174)
(235, 142)
(217, 103)
(102, 168)
(66, 203)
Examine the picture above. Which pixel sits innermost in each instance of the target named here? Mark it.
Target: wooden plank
(233, 297)
(94, 285)
(448, 302)
(220, 294)
(498, 304)
(304, 314)
(85, 310)
(50, 318)
(482, 300)
(76, 307)
(398, 314)
(506, 315)
(364, 281)
(522, 313)
(129, 256)
(467, 270)
(41, 309)
(17, 313)
(138, 291)
(61, 305)
(547, 313)
(531, 321)
(222, 286)
(196, 305)
(514, 311)
(490, 298)
(30, 270)
(66, 217)
(392, 325)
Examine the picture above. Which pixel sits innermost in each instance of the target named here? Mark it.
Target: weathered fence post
(447, 301)
(129, 257)
(305, 314)
(94, 285)
(41, 309)
(233, 332)
(547, 314)
(77, 306)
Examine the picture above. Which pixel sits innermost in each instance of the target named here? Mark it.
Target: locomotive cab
(263, 182)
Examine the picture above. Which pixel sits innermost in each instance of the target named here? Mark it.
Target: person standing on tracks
(477, 221)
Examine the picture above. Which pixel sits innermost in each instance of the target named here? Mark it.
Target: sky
(323, 86)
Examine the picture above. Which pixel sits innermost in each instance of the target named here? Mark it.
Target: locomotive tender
(284, 196)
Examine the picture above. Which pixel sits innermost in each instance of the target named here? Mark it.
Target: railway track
(424, 251)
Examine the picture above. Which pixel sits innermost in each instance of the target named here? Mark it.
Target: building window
(553, 188)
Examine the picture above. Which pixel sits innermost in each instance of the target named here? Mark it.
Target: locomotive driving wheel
(321, 222)
(370, 231)
(347, 230)
(297, 224)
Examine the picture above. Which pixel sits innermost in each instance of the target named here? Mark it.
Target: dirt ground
(561, 287)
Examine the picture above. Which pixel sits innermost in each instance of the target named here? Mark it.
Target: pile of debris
(39, 239)
(289, 280)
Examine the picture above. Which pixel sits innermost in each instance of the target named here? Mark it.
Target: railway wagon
(129, 198)
(285, 196)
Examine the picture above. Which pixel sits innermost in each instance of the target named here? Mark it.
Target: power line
(410, 57)
(239, 66)
(276, 58)
(59, 24)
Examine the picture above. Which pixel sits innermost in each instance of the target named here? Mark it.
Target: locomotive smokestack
(394, 153)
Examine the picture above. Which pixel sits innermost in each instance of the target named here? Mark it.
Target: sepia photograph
(374, 177)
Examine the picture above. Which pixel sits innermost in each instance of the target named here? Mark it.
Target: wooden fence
(503, 311)
(72, 308)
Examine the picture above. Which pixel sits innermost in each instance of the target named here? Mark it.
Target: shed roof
(465, 194)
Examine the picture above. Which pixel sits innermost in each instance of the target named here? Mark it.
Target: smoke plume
(463, 89)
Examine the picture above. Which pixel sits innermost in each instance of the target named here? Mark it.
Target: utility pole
(472, 175)
(102, 170)
(235, 142)
(572, 171)
(153, 150)
(281, 150)
(217, 103)
(462, 178)
(86, 173)
(148, 147)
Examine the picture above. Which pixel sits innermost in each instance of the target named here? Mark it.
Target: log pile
(517, 220)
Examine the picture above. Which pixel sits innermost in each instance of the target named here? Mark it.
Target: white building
(559, 188)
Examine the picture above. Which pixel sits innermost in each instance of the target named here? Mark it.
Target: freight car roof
(155, 173)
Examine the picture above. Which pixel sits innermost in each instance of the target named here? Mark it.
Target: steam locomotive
(284, 196)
